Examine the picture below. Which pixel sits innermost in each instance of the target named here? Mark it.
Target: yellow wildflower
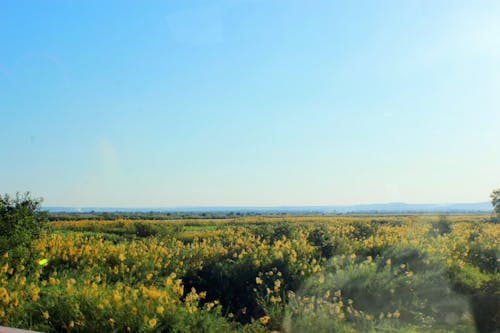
(4, 295)
(277, 285)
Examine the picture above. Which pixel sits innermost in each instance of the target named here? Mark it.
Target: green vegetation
(495, 201)
(21, 222)
(407, 273)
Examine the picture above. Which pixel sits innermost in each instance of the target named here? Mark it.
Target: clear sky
(175, 103)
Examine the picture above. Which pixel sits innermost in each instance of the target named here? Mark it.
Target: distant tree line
(110, 216)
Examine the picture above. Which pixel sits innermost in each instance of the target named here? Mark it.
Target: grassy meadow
(411, 273)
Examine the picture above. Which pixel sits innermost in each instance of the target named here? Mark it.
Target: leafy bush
(366, 296)
(276, 231)
(145, 230)
(21, 221)
(328, 243)
(441, 227)
(364, 230)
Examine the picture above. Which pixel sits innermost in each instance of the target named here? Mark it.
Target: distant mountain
(386, 208)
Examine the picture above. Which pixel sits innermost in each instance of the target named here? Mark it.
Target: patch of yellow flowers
(142, 278)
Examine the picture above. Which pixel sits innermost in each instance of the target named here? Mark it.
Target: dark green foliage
(482, 290)
(145, 230)
(486, 259)
(495, 201)
(321, 238)
(232, 285)
(21, 221)
(274, 232)
(401, 279)
(485, 305)
(441, 227)
(328, 243)
(386, 222)
(364, 230)
(286, 229)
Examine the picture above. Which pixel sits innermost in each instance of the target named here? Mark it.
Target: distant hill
(385, 208)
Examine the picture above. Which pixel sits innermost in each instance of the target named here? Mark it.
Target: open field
(394, 273)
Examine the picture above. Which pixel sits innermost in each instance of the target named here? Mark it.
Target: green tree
(21, 221)
(495, 201)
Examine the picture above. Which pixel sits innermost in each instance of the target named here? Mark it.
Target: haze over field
(396, 207)
(249, 103)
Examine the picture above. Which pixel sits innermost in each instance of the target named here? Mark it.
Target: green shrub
(21, 221)
(274, 232)
(363, 230)
(441, 227)
(145, 229)
(402, 281)
(328, 243)
(487, 259)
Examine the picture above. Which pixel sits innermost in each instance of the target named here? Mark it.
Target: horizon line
(271, 206)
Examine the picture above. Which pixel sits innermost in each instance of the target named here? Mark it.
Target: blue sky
(175, 103)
